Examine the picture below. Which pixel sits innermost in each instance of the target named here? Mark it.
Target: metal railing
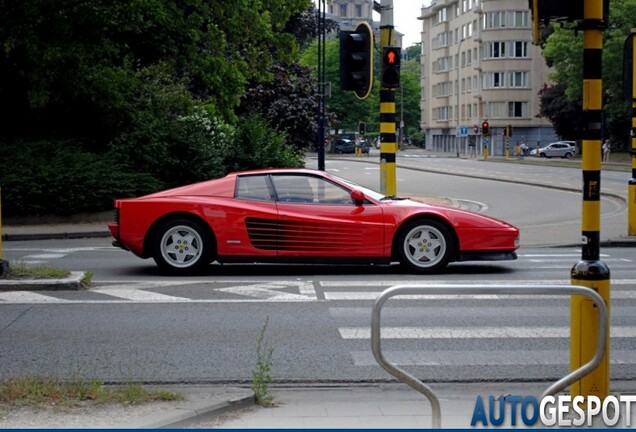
(529, 290)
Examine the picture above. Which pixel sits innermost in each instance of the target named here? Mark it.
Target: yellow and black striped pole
(631, 208)
(388, 138)
(590, 271)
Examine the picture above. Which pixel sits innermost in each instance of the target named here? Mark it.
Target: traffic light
(356, 60)
(390, 74)
(362, 128)
(476, 129)
(544, 11)
(485, 128)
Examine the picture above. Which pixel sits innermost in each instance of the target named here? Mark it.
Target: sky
(405, 14)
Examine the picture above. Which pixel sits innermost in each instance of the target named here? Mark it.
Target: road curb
(190, 413)
(71, 283)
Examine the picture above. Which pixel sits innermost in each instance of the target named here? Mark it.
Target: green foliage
(563, 50)
(262, 374)
(102, 100)
(257, 145)
(290, 100)
(60, 177)
(44, 392)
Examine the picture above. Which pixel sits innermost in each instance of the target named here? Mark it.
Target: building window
(518, 79)
(495, 19)
(520, 49)
(496, 110)
(442, 15)
(343, 10)
(517, 109)
(358, 10)
(497, 50)
(497, 80)
(519, 19)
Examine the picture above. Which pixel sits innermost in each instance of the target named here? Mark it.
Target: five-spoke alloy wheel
(182, 246)
(425, 246)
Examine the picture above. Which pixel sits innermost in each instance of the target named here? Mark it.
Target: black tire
(182, 246)
(542, 155)
(568, 156)
(425, 246)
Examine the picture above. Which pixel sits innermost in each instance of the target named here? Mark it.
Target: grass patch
(46, 393)
(21, 271)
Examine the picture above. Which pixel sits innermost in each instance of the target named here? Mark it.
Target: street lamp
(459, 50)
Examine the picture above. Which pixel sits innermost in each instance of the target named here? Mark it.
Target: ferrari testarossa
(301, 216)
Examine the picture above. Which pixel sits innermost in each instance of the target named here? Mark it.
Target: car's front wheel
(182, 246)
(425, 246)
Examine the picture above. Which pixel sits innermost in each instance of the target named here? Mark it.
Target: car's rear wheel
(568, 156)
(425, 246)
(182, 246)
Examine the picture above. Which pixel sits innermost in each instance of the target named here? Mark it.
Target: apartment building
(479, 64)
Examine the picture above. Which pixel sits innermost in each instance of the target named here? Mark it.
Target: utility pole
(320, 145)
(388, 141)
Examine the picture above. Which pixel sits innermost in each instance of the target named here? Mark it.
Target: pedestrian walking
(607, 148)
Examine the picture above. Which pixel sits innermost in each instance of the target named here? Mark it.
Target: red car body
(301, 215)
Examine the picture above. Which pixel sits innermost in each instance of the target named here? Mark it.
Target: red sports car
(301, 216)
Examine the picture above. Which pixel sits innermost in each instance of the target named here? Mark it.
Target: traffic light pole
(590, 271)
(388, 140)
(631, 211)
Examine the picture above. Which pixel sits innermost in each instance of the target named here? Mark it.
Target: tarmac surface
(373, 406)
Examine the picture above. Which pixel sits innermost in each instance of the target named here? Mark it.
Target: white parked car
(562, 149)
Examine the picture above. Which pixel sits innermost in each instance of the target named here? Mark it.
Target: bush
(60, 177)
(258, 145)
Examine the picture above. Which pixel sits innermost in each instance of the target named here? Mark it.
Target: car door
(318, 218)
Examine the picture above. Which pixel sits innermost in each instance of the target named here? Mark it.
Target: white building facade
(479, 64)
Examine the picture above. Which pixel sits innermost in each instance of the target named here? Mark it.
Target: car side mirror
(357, 196)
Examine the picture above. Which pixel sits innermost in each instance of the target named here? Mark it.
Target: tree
(563, 50)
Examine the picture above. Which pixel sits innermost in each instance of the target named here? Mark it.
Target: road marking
(139, 295)
(268, 291)
(27, 297)
(474, 333)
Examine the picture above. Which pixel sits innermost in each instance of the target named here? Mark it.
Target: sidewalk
(366, 406)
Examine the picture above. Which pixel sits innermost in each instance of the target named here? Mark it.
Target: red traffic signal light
(391, 59)
(356, 60)
(485, 128)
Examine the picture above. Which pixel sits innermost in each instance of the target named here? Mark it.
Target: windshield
(370, 193)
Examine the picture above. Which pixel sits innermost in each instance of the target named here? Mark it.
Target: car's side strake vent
(263, 233)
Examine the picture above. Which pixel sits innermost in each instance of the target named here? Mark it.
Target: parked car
(344, 145)
(562, 149)
(301, 216)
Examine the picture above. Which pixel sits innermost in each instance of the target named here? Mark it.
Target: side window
(253, 188)
(309, 190)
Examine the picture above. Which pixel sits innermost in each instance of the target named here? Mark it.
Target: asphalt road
(135, 324)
